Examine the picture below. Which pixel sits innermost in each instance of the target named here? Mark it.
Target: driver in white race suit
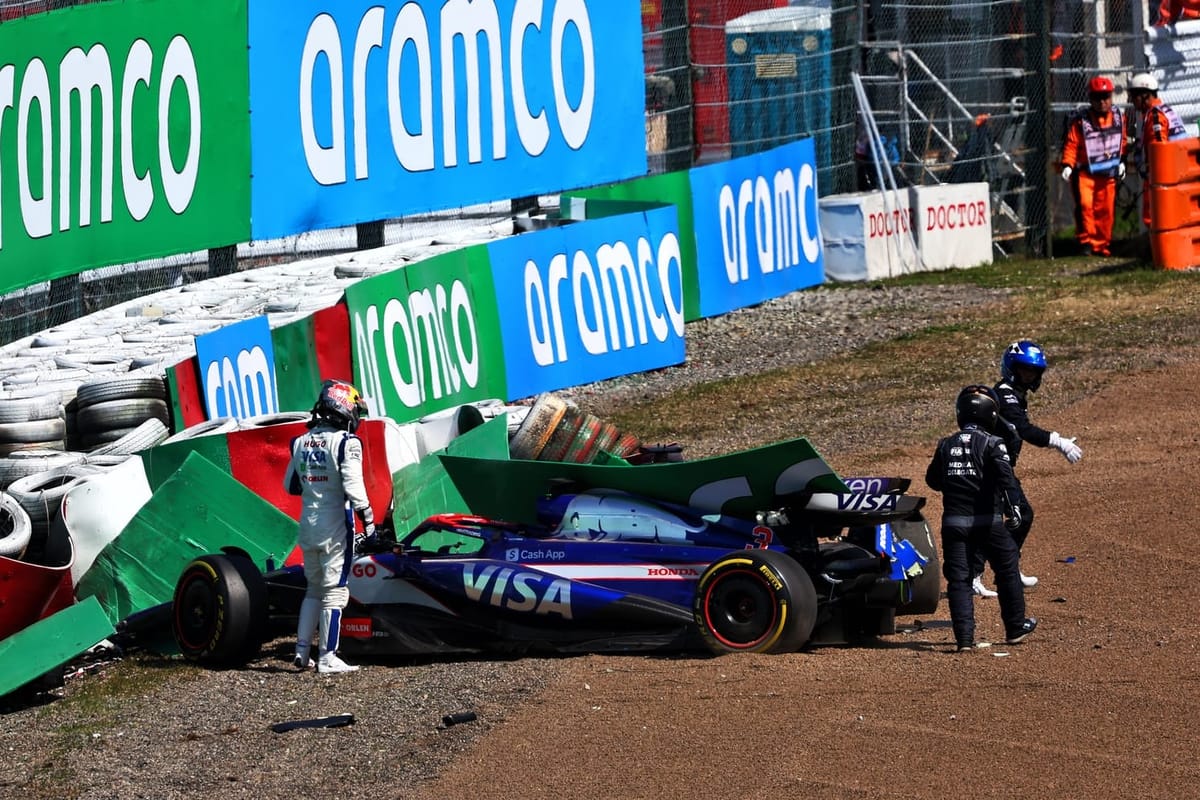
(326, 470)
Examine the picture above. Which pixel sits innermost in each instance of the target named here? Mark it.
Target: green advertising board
(124, 135)
(672, 188)
(427, 337)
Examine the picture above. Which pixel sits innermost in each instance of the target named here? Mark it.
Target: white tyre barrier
(33, 431)
(280, 418)
(208, 427)
(30, 408)
(30, 462)
(149, 434)
(15, 528)
(41, 496)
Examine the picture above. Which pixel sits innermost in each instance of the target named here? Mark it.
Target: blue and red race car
(599, 571)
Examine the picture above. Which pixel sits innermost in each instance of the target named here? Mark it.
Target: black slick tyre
(926, 587)
(219, 610)
(755, 601)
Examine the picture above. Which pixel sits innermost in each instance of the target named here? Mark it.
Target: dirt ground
(1101, 702)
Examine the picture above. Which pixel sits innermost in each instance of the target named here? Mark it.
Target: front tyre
(755, 601)
(219, 610)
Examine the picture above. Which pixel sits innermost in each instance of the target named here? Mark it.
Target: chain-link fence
(959, 90)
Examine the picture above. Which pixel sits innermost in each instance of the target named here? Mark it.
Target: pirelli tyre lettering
(757, 601)
(219, 610)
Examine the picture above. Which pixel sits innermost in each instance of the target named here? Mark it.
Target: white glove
(1069, 449)
(369, 529)
(1067, 173)
(1121, 171)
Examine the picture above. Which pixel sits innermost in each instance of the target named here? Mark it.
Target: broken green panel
(737, 484)
(200, 509)
(163, 461)
(423, 489)
(49, 643)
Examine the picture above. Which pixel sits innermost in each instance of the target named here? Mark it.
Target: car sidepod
(441, 603)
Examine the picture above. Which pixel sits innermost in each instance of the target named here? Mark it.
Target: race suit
(1094, 148)
(326, 470)
(972, 471)
(1014, 416)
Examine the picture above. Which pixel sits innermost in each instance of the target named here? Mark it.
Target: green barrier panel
(163, 461)
(736, 484)
(51, 642)
(427, 337)
(138, 140)
(424, 489)
(672, 188)
(297, 371)
(198, 510)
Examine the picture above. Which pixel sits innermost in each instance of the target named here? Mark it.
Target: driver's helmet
(1023, 354)
(977, 404)
(340, 405)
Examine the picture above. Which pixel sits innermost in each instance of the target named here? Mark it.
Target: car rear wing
(860, 508)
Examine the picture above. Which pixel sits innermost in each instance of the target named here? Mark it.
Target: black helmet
(976, 405)
(340, 405)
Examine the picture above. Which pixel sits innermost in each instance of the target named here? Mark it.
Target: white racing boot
(979, 590)
(329, 663)
(1028, 581)
(310, 609)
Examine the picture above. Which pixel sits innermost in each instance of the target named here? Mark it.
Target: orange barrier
(1177, 249)
(1174, 207)
(1175, 162)
(1174, 186)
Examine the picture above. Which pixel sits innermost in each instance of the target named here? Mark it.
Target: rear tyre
(219, 611)
(926, 587)
(755, 601)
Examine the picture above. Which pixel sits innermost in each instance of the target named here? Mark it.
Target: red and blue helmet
(1023, 354)
(340, 405)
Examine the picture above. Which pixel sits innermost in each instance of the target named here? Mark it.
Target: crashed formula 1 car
(600, 570)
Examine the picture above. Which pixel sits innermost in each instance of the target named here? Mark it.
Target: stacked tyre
(15, 530)
(40, 495)
(555, 430)
(33, 423)
(107, 410)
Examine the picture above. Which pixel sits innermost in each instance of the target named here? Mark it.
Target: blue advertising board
(371, 110)
(237, 370)
(589, 300)
(757, 227)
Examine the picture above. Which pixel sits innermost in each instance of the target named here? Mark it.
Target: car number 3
(763, 536)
